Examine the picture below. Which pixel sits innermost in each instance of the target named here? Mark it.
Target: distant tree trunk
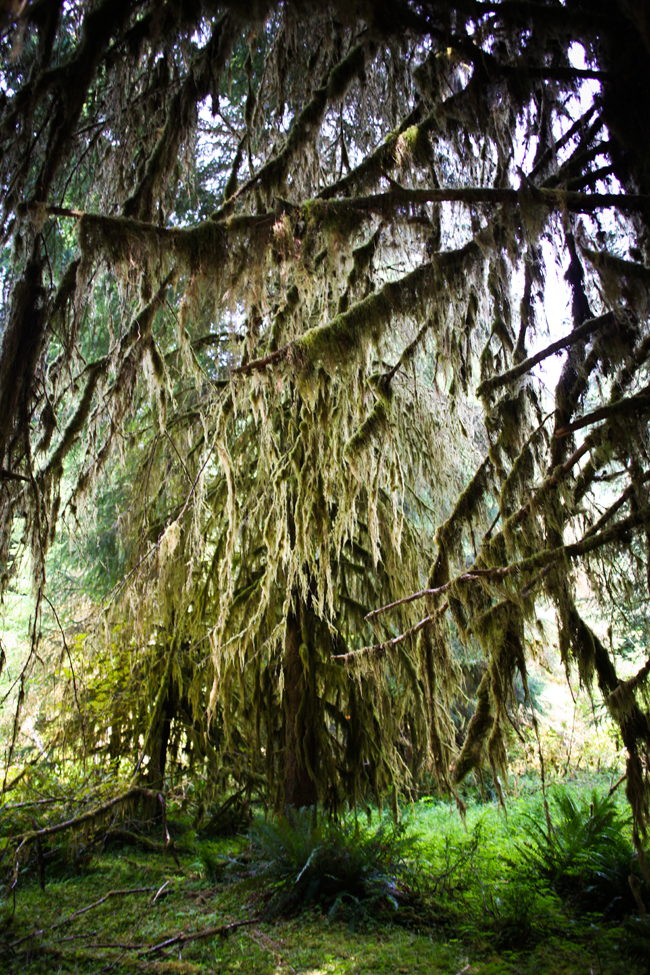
(300, 788)
(158, 759)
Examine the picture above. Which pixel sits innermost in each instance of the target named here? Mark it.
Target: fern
(337, 867)
(587, 857)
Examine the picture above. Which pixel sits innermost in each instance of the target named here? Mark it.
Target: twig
(35, 802)
(640, 403)
(75, 937)
(12, 476)
(182, 462)
(257, 365)
(112, 944)
(613, 788)
(470, 576)
(408, 599)
(159, 892)
(102, 900)
(76, 914)
(611, 511)
(378, 647)
(182, 939)
(489, 385)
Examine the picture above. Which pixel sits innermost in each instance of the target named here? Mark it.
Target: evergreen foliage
(267, 258)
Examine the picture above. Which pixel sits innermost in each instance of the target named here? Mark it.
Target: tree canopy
(273, 301)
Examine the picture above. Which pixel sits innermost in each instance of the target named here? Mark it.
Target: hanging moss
(473, 750)
(122, 240)
(281, 319)
(371, 430)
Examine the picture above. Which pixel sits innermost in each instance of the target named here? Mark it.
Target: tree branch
(553, 199)
(86, 817)
(640, 403)
(587, 544)
(489, 385)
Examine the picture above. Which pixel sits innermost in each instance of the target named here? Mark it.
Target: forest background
(288, 515)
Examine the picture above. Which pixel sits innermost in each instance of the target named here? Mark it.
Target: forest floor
(477, 906)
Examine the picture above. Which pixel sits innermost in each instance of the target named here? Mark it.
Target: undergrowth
(499, 894)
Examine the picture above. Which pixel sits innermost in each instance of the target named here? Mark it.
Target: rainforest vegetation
(324, 346)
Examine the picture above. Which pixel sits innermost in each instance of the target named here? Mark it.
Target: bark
(21, 345)
(300, 788)
(158, 760)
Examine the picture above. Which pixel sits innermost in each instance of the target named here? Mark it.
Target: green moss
(339, 343)
(413, 146)
(122, 240)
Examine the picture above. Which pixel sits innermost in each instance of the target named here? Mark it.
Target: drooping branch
(632, 404)
(339, 341)
(618, 504)
(272, 174)
(577, 335)
(590, 542)
(75, 914)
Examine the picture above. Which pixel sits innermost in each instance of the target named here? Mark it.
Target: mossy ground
(476, 913)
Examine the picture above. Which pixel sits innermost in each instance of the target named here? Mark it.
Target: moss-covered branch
(272, 174)
(589, 543)
(338, 342)
(563, 200)
(488, 386)
(134, 792)
(629, 492)
(639, 404)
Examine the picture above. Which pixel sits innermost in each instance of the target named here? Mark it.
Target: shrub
(587, 857)
(338, 867)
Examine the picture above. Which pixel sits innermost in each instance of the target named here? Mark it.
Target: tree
(318, 229)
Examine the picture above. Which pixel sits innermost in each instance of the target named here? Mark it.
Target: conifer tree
(273, 255)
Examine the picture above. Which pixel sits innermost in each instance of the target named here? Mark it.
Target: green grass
(475, 907)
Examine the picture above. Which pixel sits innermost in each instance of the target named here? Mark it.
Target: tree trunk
(300, 788)
(151, 809)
